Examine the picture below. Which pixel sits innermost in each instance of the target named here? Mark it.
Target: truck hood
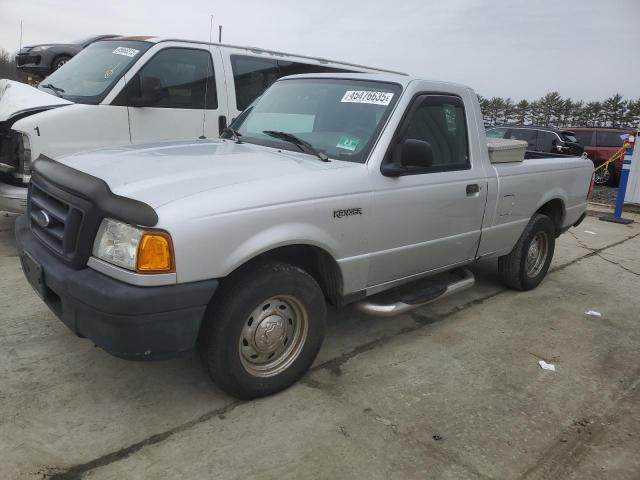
(159, 174)
(19, 98)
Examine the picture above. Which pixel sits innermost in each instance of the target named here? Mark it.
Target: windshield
(569, 137)
(340, 118)
(89, 76)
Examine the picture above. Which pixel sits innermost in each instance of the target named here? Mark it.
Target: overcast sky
(511, 48)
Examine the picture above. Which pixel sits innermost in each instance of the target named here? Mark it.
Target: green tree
(508, 111)
(495, 107)
(522, 112)
(614, 111)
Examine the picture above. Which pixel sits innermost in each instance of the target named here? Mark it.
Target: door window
(253, 75)
(496, 132)
(177, 78)
(584, 137)
(440, 121)
(608, 138)
(547, 141)
(528, 135)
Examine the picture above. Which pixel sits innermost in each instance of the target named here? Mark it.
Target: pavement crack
(574, 443)
(627, 269)
(598, 251)
(77, 471)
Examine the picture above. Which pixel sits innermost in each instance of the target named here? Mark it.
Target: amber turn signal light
(155, 253)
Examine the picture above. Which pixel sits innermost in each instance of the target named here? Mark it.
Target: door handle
(473, 189)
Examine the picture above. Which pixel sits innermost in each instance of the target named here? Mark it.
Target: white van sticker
(366, 96)
(127, 52)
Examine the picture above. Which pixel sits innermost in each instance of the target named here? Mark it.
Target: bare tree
(8, 68)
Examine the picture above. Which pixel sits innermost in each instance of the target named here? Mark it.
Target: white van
(133, 90)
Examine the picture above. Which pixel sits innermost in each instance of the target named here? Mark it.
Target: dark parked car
(540, 139)
(601, 144)
(46, 58)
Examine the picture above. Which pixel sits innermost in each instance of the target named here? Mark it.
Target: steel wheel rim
(273, 336)
(602, 176)
(60, 63)
(537, 254)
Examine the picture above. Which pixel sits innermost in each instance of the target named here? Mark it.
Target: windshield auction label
(367, 96)
(127, 52)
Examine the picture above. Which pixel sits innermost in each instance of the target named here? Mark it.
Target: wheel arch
(555, 209)
(313, 259)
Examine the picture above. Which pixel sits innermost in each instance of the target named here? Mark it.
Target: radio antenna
(206, 81)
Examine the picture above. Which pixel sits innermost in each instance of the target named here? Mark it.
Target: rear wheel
(527, 264)
(605, 176)
(263, 330)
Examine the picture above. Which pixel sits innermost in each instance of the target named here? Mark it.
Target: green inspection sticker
(348, 143)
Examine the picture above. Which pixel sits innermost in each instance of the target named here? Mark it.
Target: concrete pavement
(450, 391)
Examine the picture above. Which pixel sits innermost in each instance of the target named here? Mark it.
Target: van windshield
(90, 75)
(338, 117)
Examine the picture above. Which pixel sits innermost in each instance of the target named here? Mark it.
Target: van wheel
(263, 329)
(527, 264)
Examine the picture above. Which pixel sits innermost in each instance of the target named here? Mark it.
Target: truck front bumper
(125, 320)
(13, 198)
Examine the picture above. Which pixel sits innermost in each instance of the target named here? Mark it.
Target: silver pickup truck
(375, 190)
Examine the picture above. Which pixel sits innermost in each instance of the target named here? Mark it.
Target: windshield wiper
(305, 147)
(234, 134)
(57, 90)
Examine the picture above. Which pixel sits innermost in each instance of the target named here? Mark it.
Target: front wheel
(527, 264)
(59, 62)
(263, 330)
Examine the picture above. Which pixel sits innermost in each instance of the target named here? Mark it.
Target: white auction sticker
(367, 96)
(127, 52)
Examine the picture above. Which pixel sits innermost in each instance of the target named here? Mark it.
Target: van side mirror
(410, 154)
(143, 92)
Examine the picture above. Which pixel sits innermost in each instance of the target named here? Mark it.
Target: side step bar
(371, 307)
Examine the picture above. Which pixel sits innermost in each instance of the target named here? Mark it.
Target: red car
(600, 143)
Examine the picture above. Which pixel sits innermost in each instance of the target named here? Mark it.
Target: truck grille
(63, 222)
(56, 221)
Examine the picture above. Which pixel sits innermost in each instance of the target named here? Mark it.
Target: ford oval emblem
(42, 219)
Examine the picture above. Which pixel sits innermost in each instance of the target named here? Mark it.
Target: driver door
(172, 95)
(428, 218)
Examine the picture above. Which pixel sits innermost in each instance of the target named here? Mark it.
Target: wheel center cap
(270, 333)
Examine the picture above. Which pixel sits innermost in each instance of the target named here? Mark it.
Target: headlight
(24, 154)
(145, 251)
(41, 48)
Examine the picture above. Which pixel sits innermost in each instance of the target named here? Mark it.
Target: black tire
(230, 316)
(59, 61)
(513, 268)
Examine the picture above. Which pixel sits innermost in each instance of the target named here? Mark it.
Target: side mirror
(412, 153)
(145, 91)
(416, 153)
